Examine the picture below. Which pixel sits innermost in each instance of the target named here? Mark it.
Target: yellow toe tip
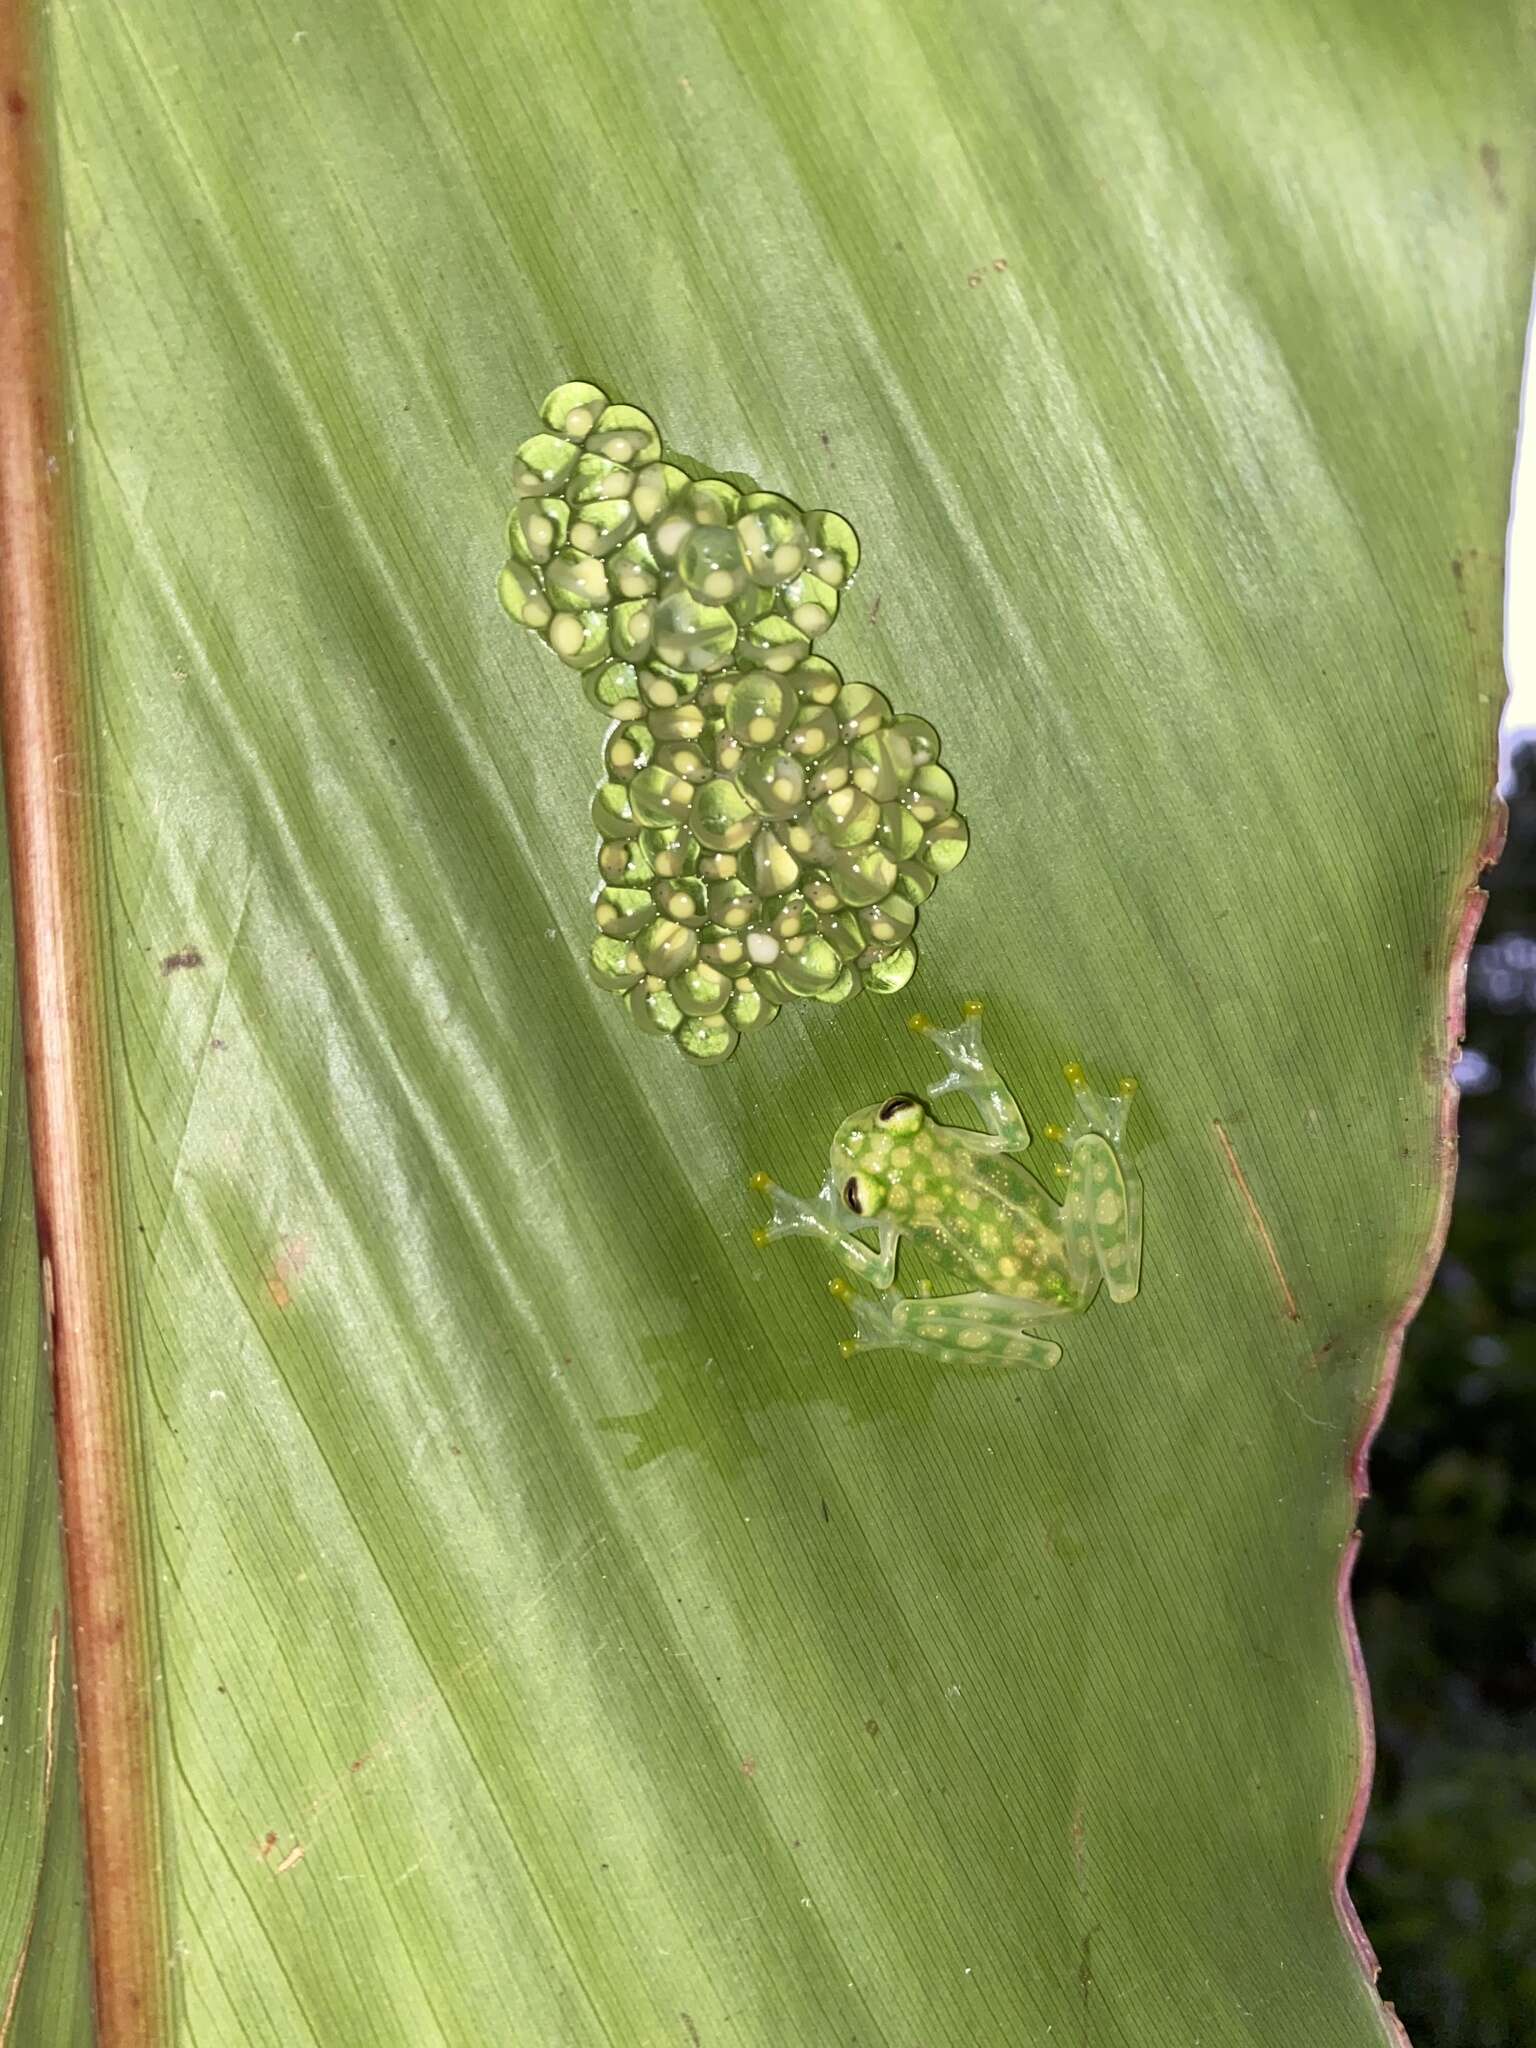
(1052, 1131)
(847, 1347)
(972, 1008)
(1074, 1073)
(839, 1289)
(759, 1183)
(1127, 1084)
(918, 1021)
(761, 1239)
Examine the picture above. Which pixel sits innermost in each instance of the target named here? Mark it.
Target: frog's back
(984, 1219)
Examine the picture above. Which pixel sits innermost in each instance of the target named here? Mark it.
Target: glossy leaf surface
(561, 1643)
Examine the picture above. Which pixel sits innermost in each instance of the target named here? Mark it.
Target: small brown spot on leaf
(1493, 171)
(693, 2033)
(268, 1844)
(177, 963)
(749, 1767)
(16, 104)
(871, 1727)
(282, 1275)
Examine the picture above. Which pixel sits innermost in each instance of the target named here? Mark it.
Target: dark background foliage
(1446, 1876)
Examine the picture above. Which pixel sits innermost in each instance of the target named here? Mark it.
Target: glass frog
(962, 1195)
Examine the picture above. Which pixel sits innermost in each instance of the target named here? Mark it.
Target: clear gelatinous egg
(767, 831)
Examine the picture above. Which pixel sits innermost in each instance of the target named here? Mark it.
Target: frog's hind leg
(961, 1329)
(1102, 1219)
(972, 1073)
(1105, 1114)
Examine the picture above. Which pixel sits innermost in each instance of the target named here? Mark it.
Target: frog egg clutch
(767, 831)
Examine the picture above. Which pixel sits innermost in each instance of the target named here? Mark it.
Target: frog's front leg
(961, 1329)
(972, 1073)
(826, 1218)
(1102, 1212)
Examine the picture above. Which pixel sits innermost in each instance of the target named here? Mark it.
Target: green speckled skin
(1018, 1255)
(983, 1219)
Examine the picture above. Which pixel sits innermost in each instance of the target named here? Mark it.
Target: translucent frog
(1021, 1257)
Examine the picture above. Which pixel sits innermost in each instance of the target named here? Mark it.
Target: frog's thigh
(972, 1329)
(1103, 1217)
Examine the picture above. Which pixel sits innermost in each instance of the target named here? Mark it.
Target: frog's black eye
(902, 1114)
(851, 1196)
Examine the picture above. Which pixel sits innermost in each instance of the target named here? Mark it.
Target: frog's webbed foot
(971, 1073)
(825, 1217)
(1102, 1212)
(960, 1329)
(792, 1216)
(1102, 1115)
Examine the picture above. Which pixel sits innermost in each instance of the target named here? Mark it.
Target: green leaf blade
(626, 1666)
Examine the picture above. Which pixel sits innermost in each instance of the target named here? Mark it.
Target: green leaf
(560, 1641)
